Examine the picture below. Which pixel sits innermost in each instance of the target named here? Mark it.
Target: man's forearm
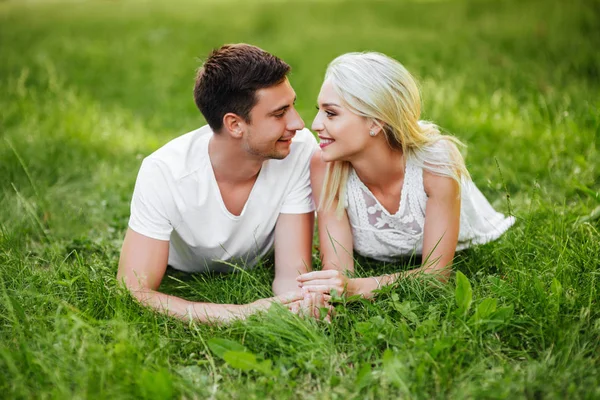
(186, 310)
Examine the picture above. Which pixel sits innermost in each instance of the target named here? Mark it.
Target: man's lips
(288, 139)
(325, 141)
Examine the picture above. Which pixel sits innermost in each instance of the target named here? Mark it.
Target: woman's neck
(379, 167)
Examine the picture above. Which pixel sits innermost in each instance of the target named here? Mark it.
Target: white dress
(383, 236)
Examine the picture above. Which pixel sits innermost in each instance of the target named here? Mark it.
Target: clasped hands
(313, 299)
(319, 286)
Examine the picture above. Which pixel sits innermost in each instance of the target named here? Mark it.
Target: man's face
(273, 122)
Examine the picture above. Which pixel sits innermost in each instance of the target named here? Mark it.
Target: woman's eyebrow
(330, 105)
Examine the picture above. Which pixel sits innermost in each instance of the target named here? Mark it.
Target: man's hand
(141, 268)
(301, 303)
(325, 282)
(289, 300)
(311, 306)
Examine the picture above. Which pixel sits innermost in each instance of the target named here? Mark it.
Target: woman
(387, 184)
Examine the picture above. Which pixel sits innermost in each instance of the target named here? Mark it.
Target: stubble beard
(271, 154)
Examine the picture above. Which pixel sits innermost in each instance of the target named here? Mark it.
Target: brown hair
(229, 79)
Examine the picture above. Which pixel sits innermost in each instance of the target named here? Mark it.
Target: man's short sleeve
(153, 210)
(300, 200)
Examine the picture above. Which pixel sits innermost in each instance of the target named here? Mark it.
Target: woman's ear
(233, 125)
(376, 126)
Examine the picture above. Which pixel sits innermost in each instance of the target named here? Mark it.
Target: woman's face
(342, 133)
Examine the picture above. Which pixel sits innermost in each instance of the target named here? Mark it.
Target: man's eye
(280, 115)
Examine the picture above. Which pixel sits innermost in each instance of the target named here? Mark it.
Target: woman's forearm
(366, 286)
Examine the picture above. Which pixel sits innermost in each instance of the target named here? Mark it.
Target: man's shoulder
(182, 155)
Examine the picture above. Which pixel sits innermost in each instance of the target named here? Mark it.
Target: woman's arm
(335, 234)
(440, 236)
(335, 241)
(442, 225)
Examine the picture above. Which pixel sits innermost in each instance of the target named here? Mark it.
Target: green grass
(89, 88)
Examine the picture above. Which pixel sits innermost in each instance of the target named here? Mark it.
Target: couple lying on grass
(384, 183)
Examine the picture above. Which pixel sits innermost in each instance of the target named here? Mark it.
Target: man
(223, 194)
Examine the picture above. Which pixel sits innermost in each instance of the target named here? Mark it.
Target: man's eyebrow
(284, 107)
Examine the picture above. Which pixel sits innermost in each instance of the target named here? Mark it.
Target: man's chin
(279, 155)
(281, 150)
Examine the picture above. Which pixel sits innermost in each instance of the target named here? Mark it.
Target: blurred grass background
(88, 88)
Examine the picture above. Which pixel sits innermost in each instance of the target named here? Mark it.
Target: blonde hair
(378, 87)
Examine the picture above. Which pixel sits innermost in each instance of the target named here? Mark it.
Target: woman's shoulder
(436, 185)
(318, 167)
(316, 161)
(440, 162)
(440, 149)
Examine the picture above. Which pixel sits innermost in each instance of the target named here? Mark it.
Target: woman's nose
(317, 124)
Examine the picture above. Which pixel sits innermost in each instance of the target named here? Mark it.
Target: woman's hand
(326, 282)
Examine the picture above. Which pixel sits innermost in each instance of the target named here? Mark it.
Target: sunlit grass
(87, 89)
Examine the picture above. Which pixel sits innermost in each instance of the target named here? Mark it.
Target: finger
(325, 289)
(319, 300)
(288, 297)
(320, 306)
(293, 307)
(316, 313)
(328, 282)
(329, 314)
(305, 304)
(293, 303)
(330, 273)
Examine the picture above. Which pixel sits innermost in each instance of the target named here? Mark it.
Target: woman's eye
(328, 113)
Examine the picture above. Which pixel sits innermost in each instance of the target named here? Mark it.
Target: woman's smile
(324, 142)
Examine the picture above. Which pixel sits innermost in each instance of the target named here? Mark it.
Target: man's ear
(233, 125)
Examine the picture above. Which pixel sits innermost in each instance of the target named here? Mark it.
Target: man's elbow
(135, 286)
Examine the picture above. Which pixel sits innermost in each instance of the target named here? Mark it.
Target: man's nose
(295, 123)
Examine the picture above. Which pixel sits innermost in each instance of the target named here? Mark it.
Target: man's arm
(293, 250)
(142, 266)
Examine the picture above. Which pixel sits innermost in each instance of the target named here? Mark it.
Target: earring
(372, 133)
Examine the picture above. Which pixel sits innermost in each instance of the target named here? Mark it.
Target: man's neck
(230, 162)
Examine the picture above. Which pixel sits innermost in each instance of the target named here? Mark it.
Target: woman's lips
(324, 142)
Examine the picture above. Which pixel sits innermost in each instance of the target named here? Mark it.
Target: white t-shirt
(176, 198)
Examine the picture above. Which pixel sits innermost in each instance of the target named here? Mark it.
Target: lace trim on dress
(384, 236)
